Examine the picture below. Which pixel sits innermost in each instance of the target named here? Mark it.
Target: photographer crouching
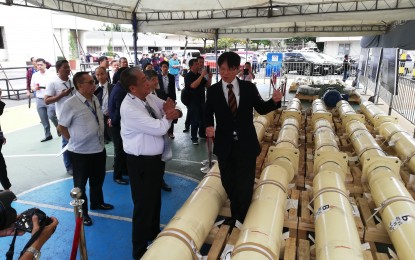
(33, 221)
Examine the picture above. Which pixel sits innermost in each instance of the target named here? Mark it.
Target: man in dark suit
(167, 89)
(231, 101)
(4, 180)
(103, 91)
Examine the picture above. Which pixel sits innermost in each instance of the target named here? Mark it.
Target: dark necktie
(99, 92)
(232, 100)
(150, 110)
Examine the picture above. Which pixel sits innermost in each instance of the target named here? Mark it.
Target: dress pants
(46, 112)
(145, 174)
(176, 81)
(120, 161)
(66, 159)
(89, 167)
(237, 172)
(197, 114)
(5, 182)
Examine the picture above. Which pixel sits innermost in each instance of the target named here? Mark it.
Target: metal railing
(14, 79)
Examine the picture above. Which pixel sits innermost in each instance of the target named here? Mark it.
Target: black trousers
(89, 167)
(237, 172)
(5, 182)
(107, 131)
(120, 157)
(145, 181)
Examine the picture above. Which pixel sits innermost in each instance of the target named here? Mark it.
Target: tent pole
(216, 53)
(135, 38)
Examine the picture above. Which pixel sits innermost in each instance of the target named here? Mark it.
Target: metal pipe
(76, 194)
(260, 237)
(402, 142)
(186, 232)
(397, 207)
(336, 232)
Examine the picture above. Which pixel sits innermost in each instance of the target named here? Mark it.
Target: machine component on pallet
(395, 204)
(401, 141)
(186, 232)
(261, 123)
(331, 92)
(261, 235)
(335, 228)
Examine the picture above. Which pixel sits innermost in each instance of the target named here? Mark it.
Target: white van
(190, 54)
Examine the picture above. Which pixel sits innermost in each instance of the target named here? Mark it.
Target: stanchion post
(76, 194)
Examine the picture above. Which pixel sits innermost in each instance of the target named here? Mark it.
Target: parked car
(308, 63)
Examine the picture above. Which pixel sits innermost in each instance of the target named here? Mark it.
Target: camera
(7, 213)
(25, 223)
(246, 72)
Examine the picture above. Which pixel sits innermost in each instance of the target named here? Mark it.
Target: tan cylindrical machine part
(336, 232)
(188, 229)
(403, 143)
(397, 207)
(261, 123)
(261, 235)
(343, 107)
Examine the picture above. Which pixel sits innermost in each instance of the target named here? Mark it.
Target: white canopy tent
(240, 18)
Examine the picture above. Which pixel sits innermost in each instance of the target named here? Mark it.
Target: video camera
(24, 221)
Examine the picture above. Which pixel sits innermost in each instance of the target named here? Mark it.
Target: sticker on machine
(323, 209)
(400, 220)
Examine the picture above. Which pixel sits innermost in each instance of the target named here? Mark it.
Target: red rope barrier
(76, 238)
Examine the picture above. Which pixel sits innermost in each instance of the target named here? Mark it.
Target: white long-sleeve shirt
(141, 133)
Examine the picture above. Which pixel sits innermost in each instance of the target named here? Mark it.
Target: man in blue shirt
(174, 69)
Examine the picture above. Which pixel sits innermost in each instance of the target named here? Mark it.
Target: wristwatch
(35, 252)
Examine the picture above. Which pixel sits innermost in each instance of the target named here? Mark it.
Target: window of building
(93, 49)
(344, 48)
(1, 38)
(138, 49)
(168, 48)
(118, 49)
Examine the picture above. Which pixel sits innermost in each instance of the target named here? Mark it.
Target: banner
(389, 70)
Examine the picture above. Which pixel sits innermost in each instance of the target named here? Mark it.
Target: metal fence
(404, 101)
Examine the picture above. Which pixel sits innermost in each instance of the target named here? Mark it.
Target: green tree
(224, 43)
(261, 42)
(73, 52)
(110, 27)
(110, 48)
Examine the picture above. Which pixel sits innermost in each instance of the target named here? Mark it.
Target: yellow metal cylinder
(370, 110)
(261, 123)
(262, 228)
(344, 108)
(318, 106)
(398, 216)
(336, 233)
(363, 142)
(288, 135)
(295, 105)
(324, 137)
(194, 220)
(402, 142)
(397, 205)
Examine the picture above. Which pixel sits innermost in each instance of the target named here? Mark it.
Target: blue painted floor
(110, 235)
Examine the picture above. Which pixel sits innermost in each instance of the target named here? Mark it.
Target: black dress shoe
(87, 220)
(121, 181)
(165, 187)
(186, 130)
(46, 139)
(103, 206)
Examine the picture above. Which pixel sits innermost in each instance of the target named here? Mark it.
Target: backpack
(185, 96)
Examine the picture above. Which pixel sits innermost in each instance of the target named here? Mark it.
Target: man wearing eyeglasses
(82, 123)
(39, 81)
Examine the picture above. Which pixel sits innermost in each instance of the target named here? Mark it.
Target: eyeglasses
(88, 82)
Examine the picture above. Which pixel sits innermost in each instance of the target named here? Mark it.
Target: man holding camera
(246, 74)
(57, 92)
(197, 82)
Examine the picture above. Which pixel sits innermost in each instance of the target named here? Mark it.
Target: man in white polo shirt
(82, 123)
(57, 92)
(40, 80)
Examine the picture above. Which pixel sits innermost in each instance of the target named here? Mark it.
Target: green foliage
(261, 42)
(298, 40)
(110, 48)
(110, 27)
(73, 53)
